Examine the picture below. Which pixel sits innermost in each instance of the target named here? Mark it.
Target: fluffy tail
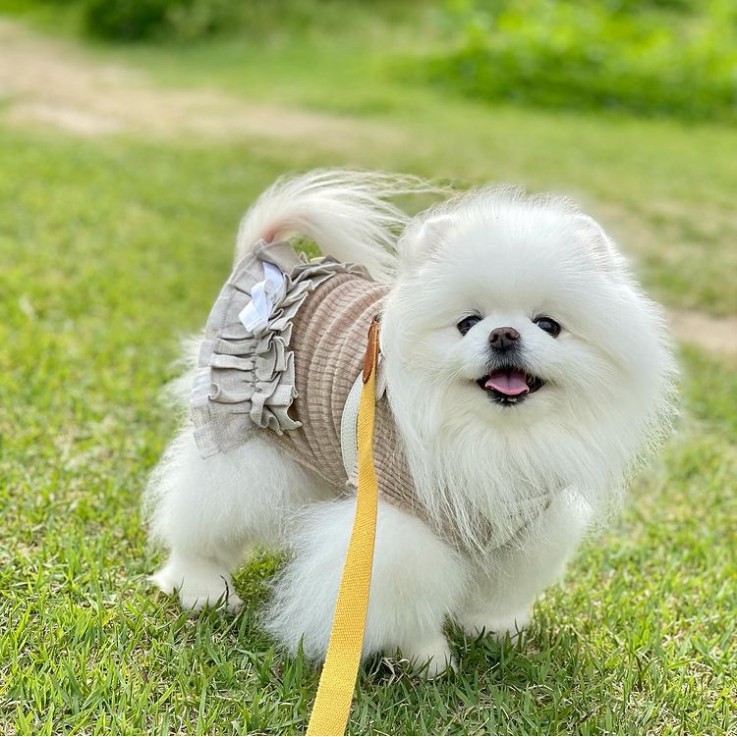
(346, 213)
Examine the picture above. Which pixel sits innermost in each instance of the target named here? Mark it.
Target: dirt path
(714, 334)
(48, 82)
(51, 83)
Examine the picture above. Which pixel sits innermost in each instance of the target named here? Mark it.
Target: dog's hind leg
(417, 581)
(208, 511)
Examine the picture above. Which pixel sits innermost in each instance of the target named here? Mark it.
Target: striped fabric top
(293, 375)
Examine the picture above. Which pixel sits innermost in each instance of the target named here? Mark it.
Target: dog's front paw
(200, 585)
(198, 596)
(478, 625)
(429, 658)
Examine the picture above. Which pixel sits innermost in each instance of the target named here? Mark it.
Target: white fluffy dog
(527, 376)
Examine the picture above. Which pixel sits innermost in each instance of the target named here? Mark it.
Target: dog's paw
(198, 600)
(479, 625)
(199, 587)
(429, 658)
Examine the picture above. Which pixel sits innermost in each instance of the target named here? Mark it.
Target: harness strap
(349, 420)
(349, 430)
(338, 679)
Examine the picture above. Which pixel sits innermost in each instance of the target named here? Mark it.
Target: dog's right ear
(423, 236)
(600, 245)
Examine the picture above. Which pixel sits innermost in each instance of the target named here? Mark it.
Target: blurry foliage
(189, 20)
(138, 20)
(661, 57)
(675, 58)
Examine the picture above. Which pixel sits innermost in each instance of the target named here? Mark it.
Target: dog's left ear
(423, 236)
(600, 245)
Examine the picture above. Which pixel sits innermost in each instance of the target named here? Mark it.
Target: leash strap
(338, 679)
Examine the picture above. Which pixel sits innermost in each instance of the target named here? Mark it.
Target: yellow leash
(338, 680)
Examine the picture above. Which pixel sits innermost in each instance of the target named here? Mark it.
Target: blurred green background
(133, 135)
(651, 57)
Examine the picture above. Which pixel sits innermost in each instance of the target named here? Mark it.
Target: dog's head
(515, 323)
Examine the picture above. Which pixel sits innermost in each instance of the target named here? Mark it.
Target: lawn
(113, 247)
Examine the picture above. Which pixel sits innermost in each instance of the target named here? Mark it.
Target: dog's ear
(423, 236)
(600, 245)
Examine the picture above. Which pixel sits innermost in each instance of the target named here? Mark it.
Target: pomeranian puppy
(524, 376)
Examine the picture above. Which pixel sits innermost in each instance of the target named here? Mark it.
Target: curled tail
(346, 213)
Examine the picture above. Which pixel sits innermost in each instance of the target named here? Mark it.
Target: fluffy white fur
(606, 401)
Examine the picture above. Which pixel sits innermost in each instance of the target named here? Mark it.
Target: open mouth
(509, 386)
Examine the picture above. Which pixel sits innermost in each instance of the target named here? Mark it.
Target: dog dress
(283, 346)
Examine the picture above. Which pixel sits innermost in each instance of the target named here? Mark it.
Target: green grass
(664, 188)
(113, 249)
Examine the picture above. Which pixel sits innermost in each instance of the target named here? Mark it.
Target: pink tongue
(511, 384)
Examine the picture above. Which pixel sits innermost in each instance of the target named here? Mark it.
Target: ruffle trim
(246, 378)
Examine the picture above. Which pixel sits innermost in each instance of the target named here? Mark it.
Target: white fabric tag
(264, 295)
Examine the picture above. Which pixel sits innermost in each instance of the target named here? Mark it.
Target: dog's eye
(467, 323)
(548, 325)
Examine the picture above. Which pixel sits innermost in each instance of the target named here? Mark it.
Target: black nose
(503, 339)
